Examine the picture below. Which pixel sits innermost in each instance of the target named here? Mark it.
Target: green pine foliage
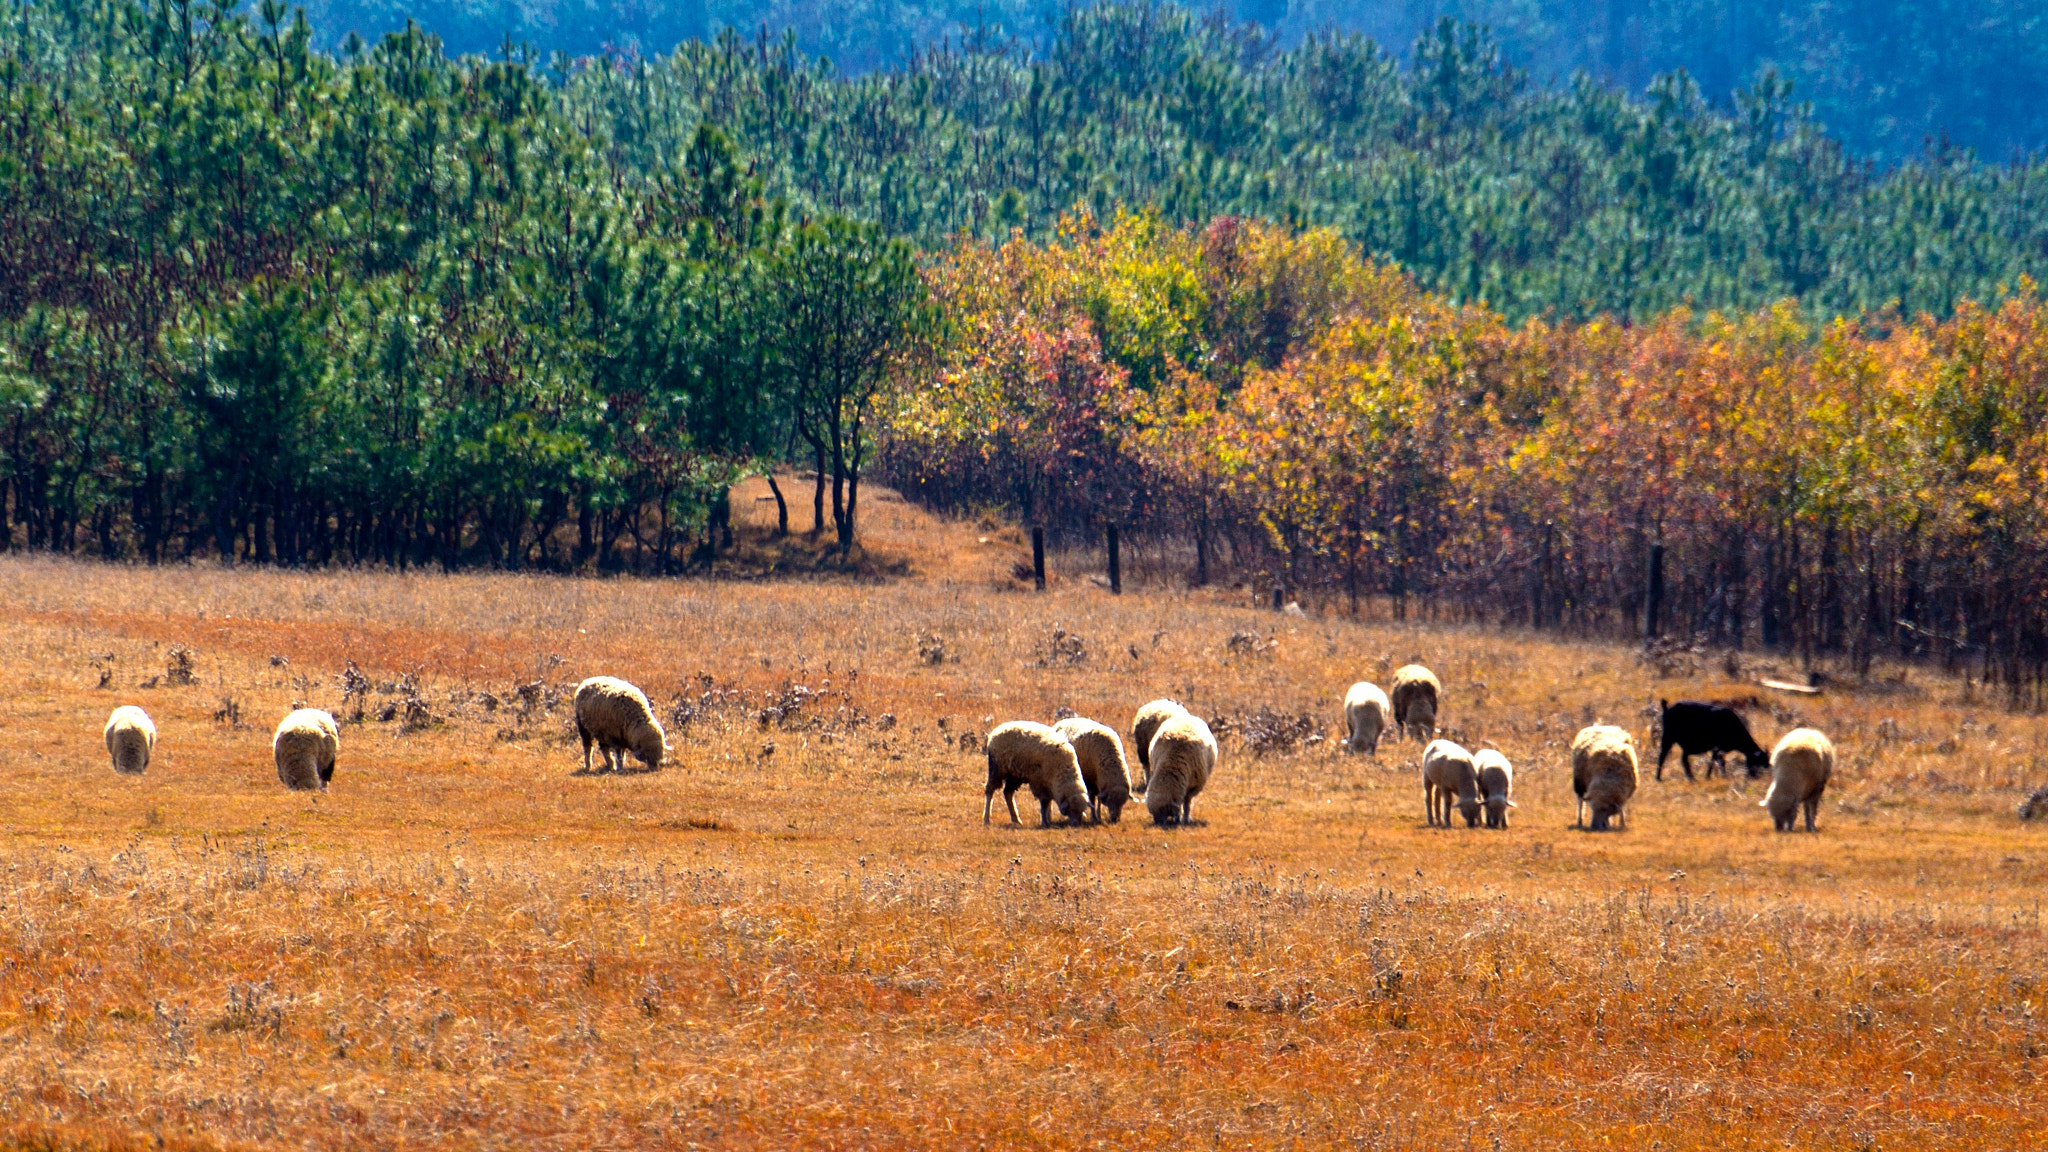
(282, 304)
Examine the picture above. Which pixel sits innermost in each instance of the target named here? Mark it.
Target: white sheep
(1183, 757)
(1365, 716)
(1800, 767)
(1496, 785)
(1143, 725)
(305, 748)
(1025, 752)
(1414, 699)
(1603, 773)
(616, 717)
(1447, 771)
(131, 737)
(1103, 767)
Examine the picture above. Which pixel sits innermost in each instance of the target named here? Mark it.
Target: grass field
(802, 935)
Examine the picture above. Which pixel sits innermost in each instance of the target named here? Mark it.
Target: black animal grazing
(1695, 728)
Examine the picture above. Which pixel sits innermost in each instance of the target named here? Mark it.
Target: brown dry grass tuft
(802, 934)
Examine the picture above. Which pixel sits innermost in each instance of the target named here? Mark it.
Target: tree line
(1308, 318)
(1886, 76)
(1277, 408)
(274, 305)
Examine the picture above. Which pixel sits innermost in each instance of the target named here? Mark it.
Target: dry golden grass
(462, 944)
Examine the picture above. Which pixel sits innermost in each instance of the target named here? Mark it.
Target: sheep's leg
(1685, 762)
(1662, 754)
(1045, 811)
(1429, 803)
(585, 733)
(1812, 809)
(1010, 798)
(988, 802)
(1187, 808)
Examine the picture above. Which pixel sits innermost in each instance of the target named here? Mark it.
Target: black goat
(1695, 728)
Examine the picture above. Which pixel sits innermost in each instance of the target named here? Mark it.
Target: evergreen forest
(1413, 326)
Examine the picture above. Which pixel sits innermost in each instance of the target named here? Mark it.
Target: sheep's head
(1756, 762)
(1497, 811)
(1114, 808)
(1074, 808)
(650, 746)
(1469, 808)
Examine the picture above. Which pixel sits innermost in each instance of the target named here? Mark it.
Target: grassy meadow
(801, 933)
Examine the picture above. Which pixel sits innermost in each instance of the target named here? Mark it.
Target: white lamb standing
(1143, 725)
(1496, 785)
(1366, 712)
(616, 717)
(1026, 752)
(1604, 774)
(305, 748)
(1800, 767)
(1103, 767)
(1183, 756)
(1447, 771)
(131, 737)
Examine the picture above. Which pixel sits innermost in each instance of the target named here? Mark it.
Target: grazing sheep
(1496, 785)
(1800, 767)
(616, 717)
(1447, 770)
(1183, 756)
(1695, 728)
(131, 737)
(1414, 697)
(1024, 752)
(1103, 767)
(1143, 725)
(1603, 773)
(1365, 716)
(305, 746)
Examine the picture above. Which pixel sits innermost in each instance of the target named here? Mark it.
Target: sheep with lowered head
(1496, 785)
(1103, 767)
(131, 737)
(1366, 710)
(616, 717)
(305, 747)
(1447, 771)
(1143, 725)
(1414, 699)
(1603, 773)
(1025, 752)
(1800, 767)
(1183, 757)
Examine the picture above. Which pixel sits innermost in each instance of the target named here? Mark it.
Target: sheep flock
(1080, 765)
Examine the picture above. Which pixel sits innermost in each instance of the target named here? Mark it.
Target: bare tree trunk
(781, 508)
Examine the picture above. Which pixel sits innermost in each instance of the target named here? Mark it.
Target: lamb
(1023, 752)
(1447, 770)
(1365, 716)
(305, 746)
(1496, 785)
(1800, 767)
(1143, 725)
(1695, 727)
(131, 737)
(1415, 696)
(1603, 773)
(1103, 767)
(616, 717)
(1183, 756)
